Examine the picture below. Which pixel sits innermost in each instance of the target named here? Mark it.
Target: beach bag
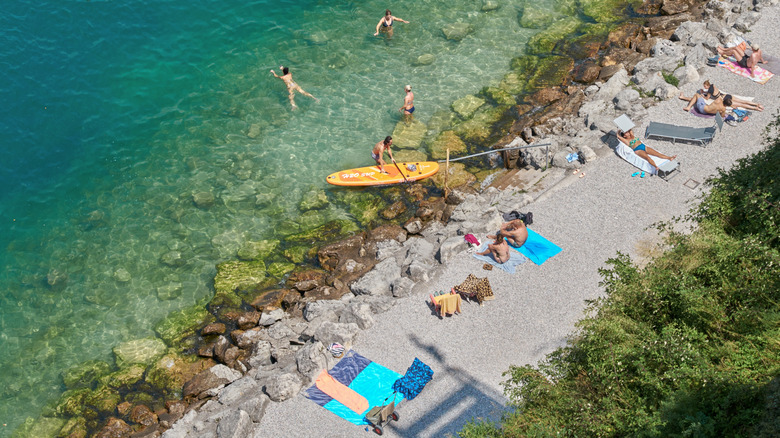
(740, 115)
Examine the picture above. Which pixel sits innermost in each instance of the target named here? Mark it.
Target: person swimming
(292, 87)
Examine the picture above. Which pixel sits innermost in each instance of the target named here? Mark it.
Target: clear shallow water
(117, 112)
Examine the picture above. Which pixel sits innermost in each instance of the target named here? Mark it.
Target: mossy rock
(410, 156)
(85, 373)
(247, 291)
(104, 399)
(538, 15)
(142, 398)
(441, 121)
(257, 250)
(408, 136)
(458, 176)
(586, 45)
(138, 351)
(296, 254)
(445, 140)
(170, 372)
(233, 274)
(513, 83)
(607, 11)
(367, 211)
(478, 128)
(71, 403)
(329, 232)
(124, 378)
(498, 96)
(566, 7)
(182, 323)
(457, 31)
(312, 219)
(314, 199)
(75, 427)
(552, 71)
(524, 65)
(286, 228)
(279, 269)
(269, 298)
(545, 41)
(41, 427)
(466, 106)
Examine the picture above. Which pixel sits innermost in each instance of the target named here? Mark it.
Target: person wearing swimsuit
(640, 148)
(292, 87)
(379, 150)
(710, 91)
(513, 231)
(499, 250)
(408, 108)
(743, 60)
(386, 23)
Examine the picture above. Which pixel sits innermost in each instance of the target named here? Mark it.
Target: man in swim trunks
(514, 232)
(408, 107)
(499, 249)
(717, 106)
(743, 59)
(292, 87)
(379, 150)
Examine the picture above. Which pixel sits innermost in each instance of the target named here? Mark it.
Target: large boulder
(257, 250)
(447, 140)
(408, 135)
(283, 386)
(402, 287)
(692, 33)
(182, 323)
(236, 392)
(138, 351)
(359, 314)
(467, 105)
(613, 86)
(236, 424)
(378, 280)
(85, 374)
(457, 31)
(312, 359)
(450, 248)
(210, 379)
(330, 332)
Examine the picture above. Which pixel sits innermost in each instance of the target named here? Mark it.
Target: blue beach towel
(537, 248)
(417, 376)
(515, 258)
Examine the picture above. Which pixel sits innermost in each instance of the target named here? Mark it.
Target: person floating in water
(292, 87)
(379, 150)
(408, 107)
(386, 23)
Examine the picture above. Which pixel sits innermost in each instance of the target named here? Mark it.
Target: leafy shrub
(670, 78)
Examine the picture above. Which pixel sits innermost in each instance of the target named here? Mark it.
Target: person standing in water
(379, 150)
(386, 23)
(408, 108)
(292, 87)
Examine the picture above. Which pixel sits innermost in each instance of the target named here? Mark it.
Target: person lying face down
(710, 91)
(499, 250)
(514, 232)
(629, 139)
(717, 106)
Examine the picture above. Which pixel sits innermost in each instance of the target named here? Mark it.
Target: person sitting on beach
(499, 250)
(717, 106)
(386, 23)
(743, 59)
(408, 108)
(639, 148)
(379, 150)
(710, 91)
(513, 231)
(292, 87)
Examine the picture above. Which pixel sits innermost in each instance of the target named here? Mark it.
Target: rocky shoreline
(247, 358)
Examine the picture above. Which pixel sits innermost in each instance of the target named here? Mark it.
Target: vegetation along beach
(176, 265)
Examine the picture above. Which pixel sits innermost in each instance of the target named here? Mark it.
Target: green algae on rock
(170, 372)
(314, 199)
(140, 351)
(467, 105)
(74, 427)
(124, 377)
(538, 15)
(329, 232)
(551, 71)
(85, 374)
(71, 403)
(367, 211)
(458, 176)
(408, 136)
(477, 129)
(257, 250)
(42, 426)
(182, 323)
(607, 11)
(103, 399)
(279, 269)
(544, 42)
(234, 274)
(447, 140)
(296, 254)
(409, 155)
(499, 96)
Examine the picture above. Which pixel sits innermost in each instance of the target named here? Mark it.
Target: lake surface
(117, 113)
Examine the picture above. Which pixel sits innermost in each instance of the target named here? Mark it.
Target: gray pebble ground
(536, 308)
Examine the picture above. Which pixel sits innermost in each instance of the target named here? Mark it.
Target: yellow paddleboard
(370, 176)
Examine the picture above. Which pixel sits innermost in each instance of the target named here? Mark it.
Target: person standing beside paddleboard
(379, 150)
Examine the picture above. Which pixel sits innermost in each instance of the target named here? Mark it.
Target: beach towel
(515, 259)
(537, 248)
(343, 393)
(363, 376)
(696, 113)
(417, 376)
(762, 76)
(629, 155)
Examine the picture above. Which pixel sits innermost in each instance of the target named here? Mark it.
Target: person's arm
(274, 73)
(390, 153)
(620, 137)
(400, 19)
(377, 26)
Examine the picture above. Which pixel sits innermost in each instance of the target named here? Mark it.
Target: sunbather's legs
(646, 157)
(691, 101)
(746, 104)
(655, 153)
(735, 51)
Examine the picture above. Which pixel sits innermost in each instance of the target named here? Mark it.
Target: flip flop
(575, 171)
(634, 174)
(642, 175)
(582, 174)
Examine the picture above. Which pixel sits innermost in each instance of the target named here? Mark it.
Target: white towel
(627, 154)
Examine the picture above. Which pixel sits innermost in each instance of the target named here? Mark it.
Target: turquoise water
(116, 113)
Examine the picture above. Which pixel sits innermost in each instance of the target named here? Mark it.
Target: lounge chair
(666, 168)
(700, 136)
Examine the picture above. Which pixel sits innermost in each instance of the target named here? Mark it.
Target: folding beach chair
(700, 136)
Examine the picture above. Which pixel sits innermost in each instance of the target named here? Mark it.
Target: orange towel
(342, 393)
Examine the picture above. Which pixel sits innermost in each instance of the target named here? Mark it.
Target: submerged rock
(85, 374)
(457, 31)
(138, 351)
(490, 5)
(466, 106)
(182, 323)
(447, 140)
(203, 200)
(233, 275)
(314, 199)
(257, 250)
(125, 377)
(425, 59)
(458, 176)
(544, 42)
(408, 136)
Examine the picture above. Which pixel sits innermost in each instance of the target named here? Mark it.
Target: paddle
(399, 171)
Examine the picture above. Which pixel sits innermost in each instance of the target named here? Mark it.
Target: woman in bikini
(386, 23)
(292, 87)
(711, 92)
(640, 148)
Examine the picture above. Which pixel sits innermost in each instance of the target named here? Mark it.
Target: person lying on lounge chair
(717, 106)
(710, 91)
(514, 232)
(743, 59)
(498, 249)
(639, 148)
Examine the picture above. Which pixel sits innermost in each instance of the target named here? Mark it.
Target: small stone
(121, 275)
(425, 59)
(215, 328)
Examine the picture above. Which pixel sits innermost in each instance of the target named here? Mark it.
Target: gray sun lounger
(675, 133)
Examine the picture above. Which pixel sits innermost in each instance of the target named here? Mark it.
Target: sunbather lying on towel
(498, 249)
(717, 106)
(743, 59)
(639, 148)
(514, 232)
(710, 91)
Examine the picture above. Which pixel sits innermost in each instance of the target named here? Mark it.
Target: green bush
(687, 346)
(670, 78)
